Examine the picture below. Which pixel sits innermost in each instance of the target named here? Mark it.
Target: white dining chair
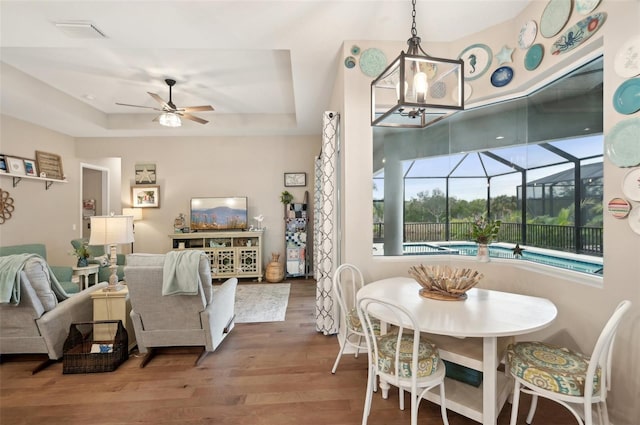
(347, 280)
(402, 357)
(565, 376)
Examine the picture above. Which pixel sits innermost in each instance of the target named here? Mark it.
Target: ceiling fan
(171, 114)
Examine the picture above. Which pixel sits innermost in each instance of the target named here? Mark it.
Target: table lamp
(111, 230)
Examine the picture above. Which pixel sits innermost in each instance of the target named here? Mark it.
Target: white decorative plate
(622, 143)
(634, 220)
(372, 62)
(631, 185)
(554, 17)
(584, 7)
(477, 59)
(467, 92)
(627, 60)
(527, 34)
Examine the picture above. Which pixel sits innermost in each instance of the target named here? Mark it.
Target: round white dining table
(486, 314)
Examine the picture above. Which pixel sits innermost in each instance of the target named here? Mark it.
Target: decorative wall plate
(527, 34)
(372, 62)
(502, 76)
(622, 143)
(627, 60)
(477, 59)
(350, 62)
(578, 34)
(631, 185)
(355, 50)
(634, 220)
(554, 17)
(626, 99)
(618, 207)
(534, 56)
(584, 7)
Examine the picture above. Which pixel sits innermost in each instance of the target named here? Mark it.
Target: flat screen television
(211, 214)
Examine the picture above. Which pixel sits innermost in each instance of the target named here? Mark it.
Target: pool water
(578, 265)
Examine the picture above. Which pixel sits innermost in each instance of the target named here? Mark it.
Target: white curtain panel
(325, 230)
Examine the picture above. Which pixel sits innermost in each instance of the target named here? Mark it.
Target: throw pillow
(37, 272)
(102, 260)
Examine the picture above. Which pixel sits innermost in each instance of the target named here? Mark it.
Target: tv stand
(234, 253)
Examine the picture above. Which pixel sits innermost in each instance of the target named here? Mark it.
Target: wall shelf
(47, 182)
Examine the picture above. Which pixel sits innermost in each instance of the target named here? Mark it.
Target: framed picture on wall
(295, 179)
(145, 173)
(15, 165)
(3, 164)
(145, 196)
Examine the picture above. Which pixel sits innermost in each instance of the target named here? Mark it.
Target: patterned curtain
(325, 225)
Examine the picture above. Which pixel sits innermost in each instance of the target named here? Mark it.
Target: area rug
(261, 302)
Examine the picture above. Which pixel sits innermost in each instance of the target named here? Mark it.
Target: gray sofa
(204, 319)
(40, 321)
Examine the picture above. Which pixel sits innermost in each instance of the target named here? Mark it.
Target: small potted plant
(483, 232)
(82, 252)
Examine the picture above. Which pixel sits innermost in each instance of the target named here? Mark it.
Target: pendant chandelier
(416, 90)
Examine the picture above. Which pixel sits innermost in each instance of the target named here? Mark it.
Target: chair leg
(368, 399)
(514, 403)
(335, 365)
(603, 413)
(532, 409)
(201, 357)
(359, 345)
(414, 407)
(147, 358)
(41, 366)
(401, 398)
(443, 406)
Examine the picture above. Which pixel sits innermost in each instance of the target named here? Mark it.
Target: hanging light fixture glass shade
(169, 119)
(416, 89)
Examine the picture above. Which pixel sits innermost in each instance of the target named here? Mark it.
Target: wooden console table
(231, 253)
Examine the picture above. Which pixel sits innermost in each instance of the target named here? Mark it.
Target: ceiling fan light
(169, 119)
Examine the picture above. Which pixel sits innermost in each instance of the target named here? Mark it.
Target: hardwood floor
(263, 374)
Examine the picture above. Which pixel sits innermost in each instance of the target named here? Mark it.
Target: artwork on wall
(3, 164)
(145, 173)
(295, 179)
(49, 165)
(145, 197)
(15, 165)
(30, 168)
(6, 206)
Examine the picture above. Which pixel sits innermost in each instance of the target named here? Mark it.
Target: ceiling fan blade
(197, 108)
(136, 106)
(194, 118)
(160, 101)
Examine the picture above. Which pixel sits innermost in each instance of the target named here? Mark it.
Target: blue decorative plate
(502, 76)
(372, 62)
(554, 17)
(578, 34)
(350, 62)
(626, 99)
(533, 57)
(584, 7)
(477, 59)
(622, 143)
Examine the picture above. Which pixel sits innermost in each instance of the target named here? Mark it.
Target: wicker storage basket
(78, 358)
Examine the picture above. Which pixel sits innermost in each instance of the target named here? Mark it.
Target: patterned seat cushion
(551, 368)
(428, 357)
(356, 325)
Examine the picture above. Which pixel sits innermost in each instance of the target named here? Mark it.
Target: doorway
(94, 190)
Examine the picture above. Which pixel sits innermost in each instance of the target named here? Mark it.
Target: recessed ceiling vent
(80, 29)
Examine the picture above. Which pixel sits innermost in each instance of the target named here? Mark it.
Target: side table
(112, 305)
(85, 273)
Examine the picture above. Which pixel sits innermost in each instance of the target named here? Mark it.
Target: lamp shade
(136, 213)
(111, 230)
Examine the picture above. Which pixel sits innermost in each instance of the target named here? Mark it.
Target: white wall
(583, 309)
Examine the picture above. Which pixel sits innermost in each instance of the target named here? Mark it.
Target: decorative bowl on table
(443, 282)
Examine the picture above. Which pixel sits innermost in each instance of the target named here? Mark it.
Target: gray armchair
(204, 319)
(40, 321)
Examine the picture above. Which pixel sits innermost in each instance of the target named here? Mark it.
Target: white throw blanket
(180, 273)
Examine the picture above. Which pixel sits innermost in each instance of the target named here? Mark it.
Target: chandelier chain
(414, 30)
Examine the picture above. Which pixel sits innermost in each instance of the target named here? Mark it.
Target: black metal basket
(77, 355)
